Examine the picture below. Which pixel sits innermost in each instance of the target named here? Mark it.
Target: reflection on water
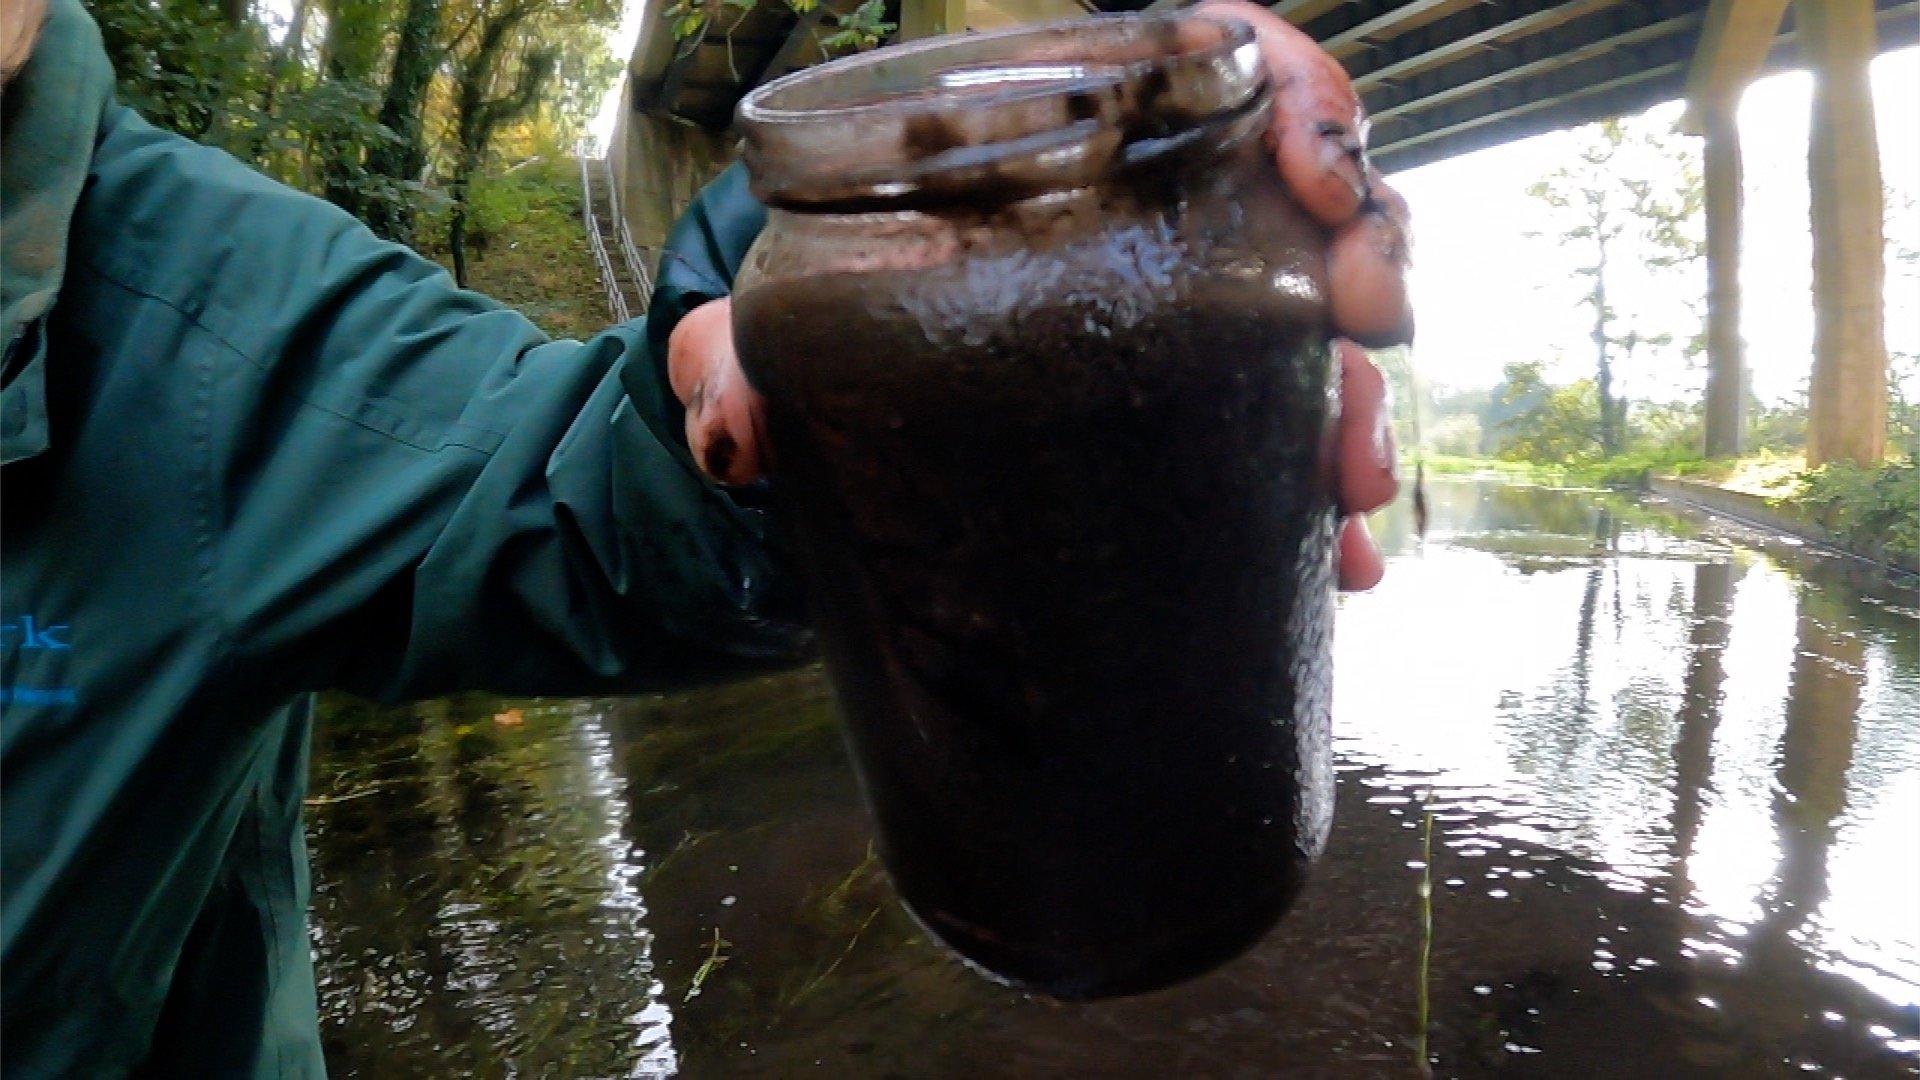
(1674, 771)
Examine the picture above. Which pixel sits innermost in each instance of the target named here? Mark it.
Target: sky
(1485, 293)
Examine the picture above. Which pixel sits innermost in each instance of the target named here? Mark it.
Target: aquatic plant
(1420, 989)
(716, 956)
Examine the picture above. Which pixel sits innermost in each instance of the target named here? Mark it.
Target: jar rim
(1008, 112)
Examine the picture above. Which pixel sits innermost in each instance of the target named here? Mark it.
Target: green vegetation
(862, 28)
(1631, 196)
(716, 956)
(1625, 470)
(394, 110)
(1860, 507)
(526, 247)
(1863, 506)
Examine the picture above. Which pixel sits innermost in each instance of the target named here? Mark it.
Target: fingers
(1364, 464)
(1320, 143)
(698, 335)
(1367, 272)
(1319, 128)
(723, 427)
(1364, 457)
(1361, 565)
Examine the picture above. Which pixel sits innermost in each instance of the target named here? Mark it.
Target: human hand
(723, 411)
(1319, 143)
(1318, 136)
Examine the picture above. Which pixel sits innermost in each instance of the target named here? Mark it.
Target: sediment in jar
(1062, 516)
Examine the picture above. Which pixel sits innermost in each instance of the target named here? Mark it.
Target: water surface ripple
(1673, 769)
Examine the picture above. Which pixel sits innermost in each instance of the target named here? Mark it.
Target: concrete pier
(1848, 418)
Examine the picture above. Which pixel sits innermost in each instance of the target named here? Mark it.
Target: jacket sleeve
(418, 492)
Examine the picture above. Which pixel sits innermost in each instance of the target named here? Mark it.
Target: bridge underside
(1439, 77)
(1445, 77)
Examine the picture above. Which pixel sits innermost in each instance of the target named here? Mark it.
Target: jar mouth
(996, 116)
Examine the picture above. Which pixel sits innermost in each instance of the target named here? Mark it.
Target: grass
(532, 249)
(1863, 508)
(1622, 471)
(1767, 473)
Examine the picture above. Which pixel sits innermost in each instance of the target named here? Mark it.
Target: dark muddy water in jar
(1673, 768)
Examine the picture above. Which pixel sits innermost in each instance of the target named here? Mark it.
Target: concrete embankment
(1754, 510)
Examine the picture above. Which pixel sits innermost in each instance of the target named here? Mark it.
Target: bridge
(1442, 78)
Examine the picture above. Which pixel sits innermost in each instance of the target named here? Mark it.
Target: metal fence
(616, 303)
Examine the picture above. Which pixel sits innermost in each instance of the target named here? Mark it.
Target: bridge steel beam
(1847, 420)
(1624, 31)
(1486, 28)
(1356, 25)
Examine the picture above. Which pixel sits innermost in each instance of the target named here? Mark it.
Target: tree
(368, 103)
(350, 54)
(1630, 195)
(494, 83)
(416, 52)
(1903, 366)
(507, 59)
(1536, 421)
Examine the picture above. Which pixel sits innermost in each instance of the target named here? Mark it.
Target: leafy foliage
(1865, 505)
(386, 107)
(1631, 195)
(1546, 423)
(865, 27)
(524, 231)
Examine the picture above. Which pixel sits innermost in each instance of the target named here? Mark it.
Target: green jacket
(251, 452)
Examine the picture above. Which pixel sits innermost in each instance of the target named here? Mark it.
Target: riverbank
(1872, 513)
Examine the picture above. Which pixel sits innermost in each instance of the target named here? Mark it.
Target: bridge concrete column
(1726, 406)
(1735, 38)
(1848, 408)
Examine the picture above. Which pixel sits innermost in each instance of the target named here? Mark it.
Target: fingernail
(697, 399)
(1383, 452)
(1344, 155)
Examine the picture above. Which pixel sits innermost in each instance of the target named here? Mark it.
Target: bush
(186, 69)
(1561, 425)
(1864, 505)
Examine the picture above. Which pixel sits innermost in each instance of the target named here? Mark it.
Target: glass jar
(1043, 343)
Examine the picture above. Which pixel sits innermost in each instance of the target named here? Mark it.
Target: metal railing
(636, 264)
(616, 303)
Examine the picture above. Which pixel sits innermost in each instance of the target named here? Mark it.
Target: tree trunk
(400, 112)
(457, 217)
(352, 50)
(457, 238)
(289, 54)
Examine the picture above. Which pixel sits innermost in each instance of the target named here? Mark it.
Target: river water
(1672, 770)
